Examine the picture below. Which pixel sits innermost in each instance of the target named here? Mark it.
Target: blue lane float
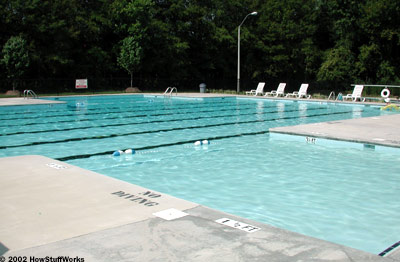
(128, 151)
(117, 153)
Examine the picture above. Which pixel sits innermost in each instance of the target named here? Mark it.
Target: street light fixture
(238, 63)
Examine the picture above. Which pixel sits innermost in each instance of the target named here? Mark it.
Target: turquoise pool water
(341, 192)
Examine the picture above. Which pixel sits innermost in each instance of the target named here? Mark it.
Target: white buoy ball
(130, 151)
(197, 143)
(205, 142)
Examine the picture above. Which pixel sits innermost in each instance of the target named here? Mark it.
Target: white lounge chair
(259, 90)
(301, 93)
(280, 91)
(357, 91)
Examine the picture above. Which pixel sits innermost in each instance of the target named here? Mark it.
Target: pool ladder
(332, 95)
(28, 93)
(169, 91)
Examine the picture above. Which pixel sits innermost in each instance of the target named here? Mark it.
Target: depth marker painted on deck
(56, 166)
(170, 214)
(238, 225)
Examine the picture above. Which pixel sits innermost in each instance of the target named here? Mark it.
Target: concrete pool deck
(51, 208)
(381, 130)
(19, 101)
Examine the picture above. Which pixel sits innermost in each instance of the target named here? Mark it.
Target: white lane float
(204, 142)
(128, 151)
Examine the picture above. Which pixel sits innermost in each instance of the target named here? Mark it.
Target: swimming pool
(341, 192)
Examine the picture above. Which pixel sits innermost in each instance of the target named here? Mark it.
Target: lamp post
(238, 63)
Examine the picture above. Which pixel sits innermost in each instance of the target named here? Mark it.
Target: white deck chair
(301, 93)
(357, 91)
(259, 90)
(280, 91)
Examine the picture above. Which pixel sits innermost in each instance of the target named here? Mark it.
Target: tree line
(331, 43)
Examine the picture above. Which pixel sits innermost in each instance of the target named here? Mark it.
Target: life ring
(390, 107)
(385, 93)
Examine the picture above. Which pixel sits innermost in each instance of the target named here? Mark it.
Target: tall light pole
(238, 62)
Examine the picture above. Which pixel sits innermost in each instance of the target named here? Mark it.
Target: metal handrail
(332, 94)
(170, 90)
(166, 91)
(385, 86)
(28, 92)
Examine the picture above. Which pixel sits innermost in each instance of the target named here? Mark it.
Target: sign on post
(81, 83)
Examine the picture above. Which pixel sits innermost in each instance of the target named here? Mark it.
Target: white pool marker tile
(238, 225)
(170, 214)
(56, 166)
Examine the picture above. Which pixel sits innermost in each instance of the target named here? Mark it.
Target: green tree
(15, 57)
(66, 38)
(285, 39)
(368, 60)
(130, 55)
(387, 73)
(337, 66)
(378, 59)
(338, 37)
(291, 40)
